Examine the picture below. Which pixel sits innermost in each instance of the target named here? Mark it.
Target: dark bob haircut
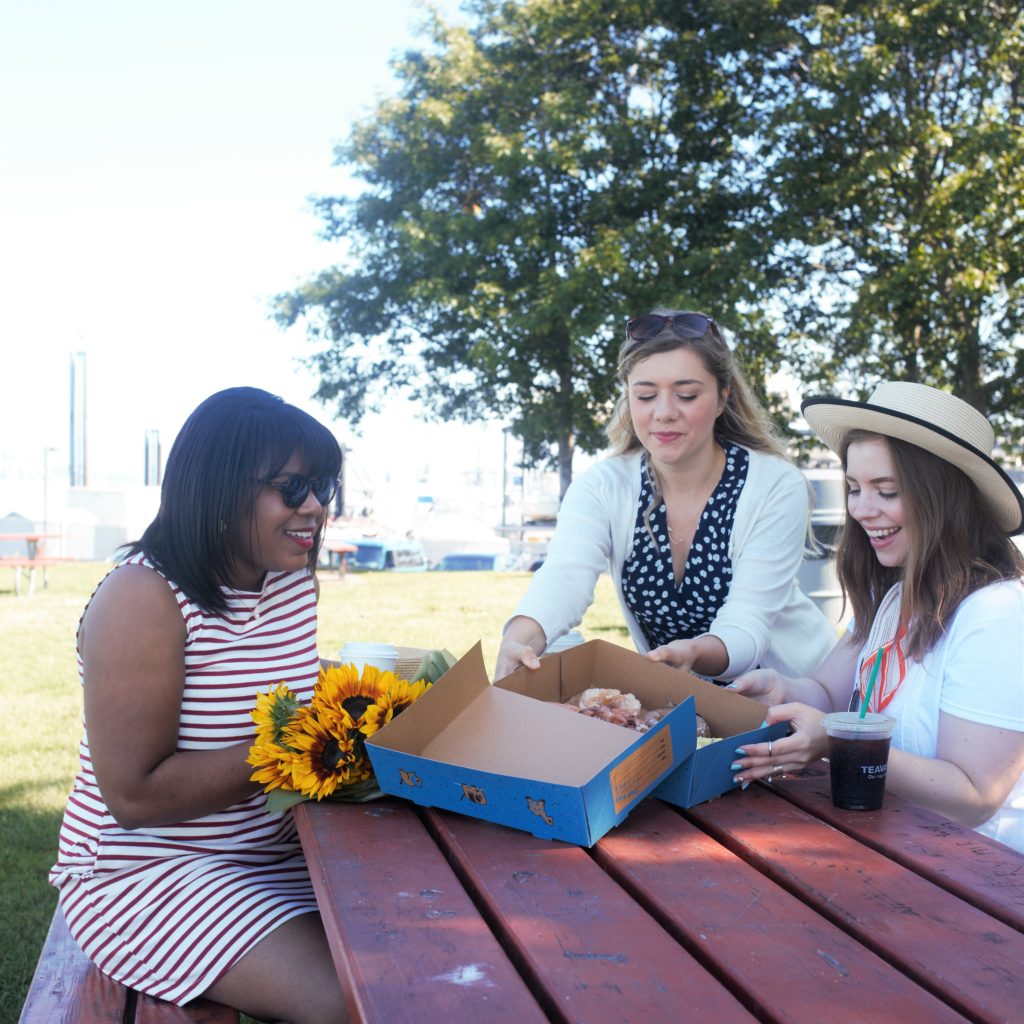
(232, 441)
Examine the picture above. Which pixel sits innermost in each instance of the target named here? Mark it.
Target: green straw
(871, 683)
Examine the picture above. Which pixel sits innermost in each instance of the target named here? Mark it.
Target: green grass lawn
(40, 722)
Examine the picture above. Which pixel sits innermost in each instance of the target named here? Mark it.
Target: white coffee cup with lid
(382, 656)
(565, 642)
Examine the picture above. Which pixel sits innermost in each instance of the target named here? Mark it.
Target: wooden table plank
(69, 987)
(977, 869)
(408, 943)
(578, 937)
(199, 1011)
(957, 951)
(782, 959)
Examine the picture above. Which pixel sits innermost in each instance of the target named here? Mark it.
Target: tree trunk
(566, 448)
(566, 433)
(972, 365)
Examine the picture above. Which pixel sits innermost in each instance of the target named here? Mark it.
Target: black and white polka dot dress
(664, 610)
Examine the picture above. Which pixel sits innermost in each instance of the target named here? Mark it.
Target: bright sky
(156, 162)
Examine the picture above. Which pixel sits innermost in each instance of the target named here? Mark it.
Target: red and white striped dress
(167, 910)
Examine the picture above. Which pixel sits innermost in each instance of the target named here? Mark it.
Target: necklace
(685, 536)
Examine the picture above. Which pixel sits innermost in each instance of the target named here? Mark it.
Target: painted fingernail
(763, 724)
(740, 752)
(737, 778)
(745, 785)
(731, 686)
(736, 767)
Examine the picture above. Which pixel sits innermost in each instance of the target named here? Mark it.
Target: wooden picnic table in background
(35, 557)
(767, 905)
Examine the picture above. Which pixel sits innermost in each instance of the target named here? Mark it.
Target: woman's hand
(678, 653)
(807, 743)
(521, 644)
(762, 684)
(511, 655)
(705, 655)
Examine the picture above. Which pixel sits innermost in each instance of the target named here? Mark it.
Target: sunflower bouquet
(319, 750)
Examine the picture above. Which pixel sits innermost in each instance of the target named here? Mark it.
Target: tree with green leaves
(541, 175)
(841, 184)
(894, 162)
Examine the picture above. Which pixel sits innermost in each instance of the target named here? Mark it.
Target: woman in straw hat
(697, 515)
(936, 587)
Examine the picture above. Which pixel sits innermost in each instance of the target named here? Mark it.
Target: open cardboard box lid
(509, 753)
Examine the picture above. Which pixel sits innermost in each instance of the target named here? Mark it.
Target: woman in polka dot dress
(697, 515)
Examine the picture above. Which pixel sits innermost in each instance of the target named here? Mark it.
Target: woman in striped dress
(173, 876)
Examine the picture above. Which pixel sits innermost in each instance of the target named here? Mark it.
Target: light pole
(46, 487)
(504, 477)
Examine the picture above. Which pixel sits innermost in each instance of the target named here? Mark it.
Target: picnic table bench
(69, 989)
(766, 905)
(34, 558)
(32, 564)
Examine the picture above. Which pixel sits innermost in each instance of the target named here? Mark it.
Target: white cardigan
(766, 621)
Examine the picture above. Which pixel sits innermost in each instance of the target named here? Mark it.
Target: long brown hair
(954, 547)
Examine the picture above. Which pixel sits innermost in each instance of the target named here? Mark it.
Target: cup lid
(851, 722)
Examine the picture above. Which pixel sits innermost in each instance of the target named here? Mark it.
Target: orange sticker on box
(631, 776)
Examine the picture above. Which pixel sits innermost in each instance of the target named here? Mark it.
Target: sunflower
(273, 713)
(398, 697)
(320, 750)
(362, 769)
(324, 759)
(341, 688)
(273, 764)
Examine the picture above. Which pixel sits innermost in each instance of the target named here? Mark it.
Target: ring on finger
(769, 748)
(776, 769)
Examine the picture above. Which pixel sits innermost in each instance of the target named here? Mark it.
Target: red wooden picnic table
(33, 541)
(33, 558)
(767, 905)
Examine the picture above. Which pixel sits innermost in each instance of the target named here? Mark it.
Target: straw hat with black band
(939, 422)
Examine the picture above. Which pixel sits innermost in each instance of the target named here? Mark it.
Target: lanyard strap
(891, 674)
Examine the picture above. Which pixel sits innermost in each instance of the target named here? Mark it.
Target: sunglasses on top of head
(294, 488)
(686, 325)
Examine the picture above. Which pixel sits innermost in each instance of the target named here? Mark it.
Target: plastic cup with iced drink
(858, 755)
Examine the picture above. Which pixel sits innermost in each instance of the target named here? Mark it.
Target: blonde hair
(742, 420)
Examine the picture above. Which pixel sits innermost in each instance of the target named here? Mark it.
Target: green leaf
(281, 799)
(357, 793)
(434, 664)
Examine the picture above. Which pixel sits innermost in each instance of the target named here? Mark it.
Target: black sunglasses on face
(294, 488)
(686, 325)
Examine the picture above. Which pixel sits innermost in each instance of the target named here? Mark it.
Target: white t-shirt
(975, 672)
